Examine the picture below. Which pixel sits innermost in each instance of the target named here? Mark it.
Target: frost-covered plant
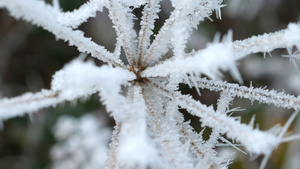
(142, 96)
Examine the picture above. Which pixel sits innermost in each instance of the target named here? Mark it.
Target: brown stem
(113, 148)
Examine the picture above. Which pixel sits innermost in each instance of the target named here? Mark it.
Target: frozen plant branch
(210, 61)
(142, 95)
(42, 14)
(248, 136)
(251, 93)
(27, 103)
(67, 88)
(75, 18)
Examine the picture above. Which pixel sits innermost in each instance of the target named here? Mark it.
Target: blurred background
(29, 56)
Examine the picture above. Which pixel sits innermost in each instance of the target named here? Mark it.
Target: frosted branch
(204, 151)
(194, 13)
(255, 141)
(133, 135)
(113, 147)
(82, 14)
(209, 61)
(167, 134)
(251, 93)
(183, 14)
(142, 96)
(150, 12)
(89, 80)
(286, 38)
(27, 103)
(223, 56)
(41, 14)
(122, 19)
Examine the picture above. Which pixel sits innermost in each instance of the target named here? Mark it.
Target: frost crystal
(141, 94)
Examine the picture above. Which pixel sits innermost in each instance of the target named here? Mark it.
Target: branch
(182, 14)
(64, 87)
(150, 13)
(166, 131)
(133, 137)
(223, 56)
(47, 16)
(255, 141)
(113, 148)
(251, 93)
(203, 150)
(209, 61)
(27, 103)
(78, 16)
(267, 42)
(122, 19)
